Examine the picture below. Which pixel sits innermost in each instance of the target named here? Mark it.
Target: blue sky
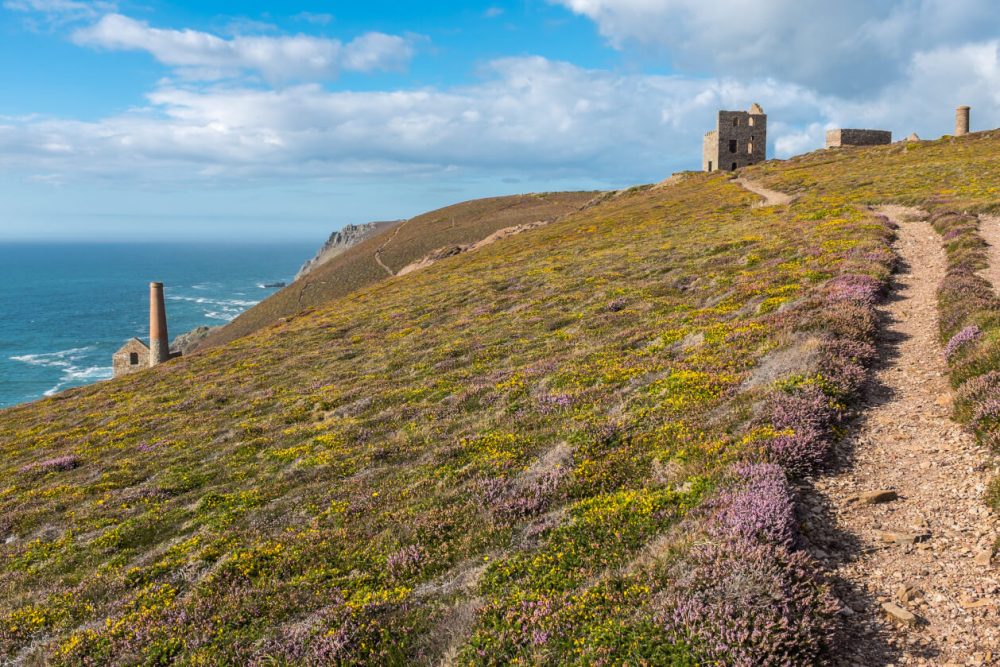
(255, 120)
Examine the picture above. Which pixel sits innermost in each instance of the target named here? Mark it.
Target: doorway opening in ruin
(732, 145)
(734, 167)
(133, 358)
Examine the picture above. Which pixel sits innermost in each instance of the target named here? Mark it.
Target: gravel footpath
(901, 522)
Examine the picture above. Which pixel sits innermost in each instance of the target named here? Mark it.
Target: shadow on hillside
(866, 640)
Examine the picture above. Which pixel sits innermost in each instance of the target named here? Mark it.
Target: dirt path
(989, 229)
(771, 197)
(378, 251)
(924, 551)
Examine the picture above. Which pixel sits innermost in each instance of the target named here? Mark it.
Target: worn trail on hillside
(927, 551)
(381, 248)
(989, 229)
(771, 197)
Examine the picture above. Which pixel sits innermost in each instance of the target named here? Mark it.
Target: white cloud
(848, 47)
(529, 118)
(202, 55)
(57, 13)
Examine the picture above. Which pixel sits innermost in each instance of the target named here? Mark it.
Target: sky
(265, 121)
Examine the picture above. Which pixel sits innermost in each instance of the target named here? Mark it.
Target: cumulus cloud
(202, 55)
(847, 48)
(532, 118)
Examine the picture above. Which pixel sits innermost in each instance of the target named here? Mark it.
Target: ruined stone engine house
(739, 140)
(841, 138)
(135, 355)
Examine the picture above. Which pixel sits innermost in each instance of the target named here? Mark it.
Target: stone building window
(732, 145)
(710, 165)
(736, 122)
(750, 148)
(751, 121)
(133, 358)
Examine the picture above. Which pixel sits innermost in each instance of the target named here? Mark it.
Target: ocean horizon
(66, 307)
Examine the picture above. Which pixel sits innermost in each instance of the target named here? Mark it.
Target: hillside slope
(341, 241)
(572, 447)
(395, 246)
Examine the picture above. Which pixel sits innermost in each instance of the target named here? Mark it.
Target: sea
(66, 308)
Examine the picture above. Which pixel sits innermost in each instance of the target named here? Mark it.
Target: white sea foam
(61, 359)
(225, 310)
(86, 375)
(66, 361)
(241, 303)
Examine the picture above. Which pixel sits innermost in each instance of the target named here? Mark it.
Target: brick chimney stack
(159, 343)
(961, 121)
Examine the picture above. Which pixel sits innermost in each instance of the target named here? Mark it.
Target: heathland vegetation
(578, 446)
(396, 246)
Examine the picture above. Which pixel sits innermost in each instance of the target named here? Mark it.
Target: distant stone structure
(135, 355)
(739, 140)
(838, 138)
(962, 121)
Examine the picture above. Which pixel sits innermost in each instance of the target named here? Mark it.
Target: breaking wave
(217, 309)
(71, 364)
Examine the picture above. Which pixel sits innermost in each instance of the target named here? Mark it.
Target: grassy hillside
(568, 448)
(398, 246)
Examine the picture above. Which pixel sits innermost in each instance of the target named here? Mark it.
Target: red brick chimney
(159, 343)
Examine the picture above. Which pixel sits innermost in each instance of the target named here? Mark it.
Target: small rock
(969, 603)
(897, 613)
(901, 538)
(985, 558)
(874, 497)
(906, 593)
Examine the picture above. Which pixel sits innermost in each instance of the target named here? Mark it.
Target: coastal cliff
(340, 241)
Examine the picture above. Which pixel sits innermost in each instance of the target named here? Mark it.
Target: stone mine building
(739, 139)
(136, 355)
(838, 138)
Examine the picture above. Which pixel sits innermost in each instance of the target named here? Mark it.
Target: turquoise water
(65, 309)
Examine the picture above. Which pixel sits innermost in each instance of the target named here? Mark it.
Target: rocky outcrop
(187, 342)
(342, 240)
